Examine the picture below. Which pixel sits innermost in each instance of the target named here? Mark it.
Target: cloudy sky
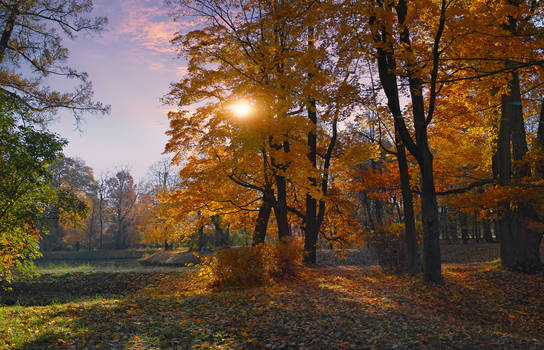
(131, 65)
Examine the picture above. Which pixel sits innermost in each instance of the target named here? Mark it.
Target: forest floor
(480, 305)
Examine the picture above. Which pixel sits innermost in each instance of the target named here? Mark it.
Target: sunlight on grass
(63, 267)
(325, 307)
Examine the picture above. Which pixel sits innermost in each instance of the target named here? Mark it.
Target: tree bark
(488, 237)
(520, 244)
(8, 29)
(420, 149)
(201, 238)
(386, 68)
(411, 253)
(540, 142)
(280, 208)
(432, 268)
(310, 222)
(259, 234)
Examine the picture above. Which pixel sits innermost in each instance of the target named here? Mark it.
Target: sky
(131, 65)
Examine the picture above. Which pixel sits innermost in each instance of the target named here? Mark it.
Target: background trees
(327, 120)
(25, 154)
(30, 51)
(122, 195)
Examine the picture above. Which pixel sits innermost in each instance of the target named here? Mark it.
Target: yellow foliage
(245, 267)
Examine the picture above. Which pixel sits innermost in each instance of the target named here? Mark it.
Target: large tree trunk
(411, 254)
(311, 229)
(201, 238)
(310, 222)
(386, 68)
(420, 147)
(280, 208)
(220, 239)
(259, 234)
(432, 268)
(520, 244)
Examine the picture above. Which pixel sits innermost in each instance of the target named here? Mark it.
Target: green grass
(336, 307)
(63, 267)
(89, 305)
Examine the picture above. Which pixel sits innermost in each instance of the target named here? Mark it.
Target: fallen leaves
(328, 307)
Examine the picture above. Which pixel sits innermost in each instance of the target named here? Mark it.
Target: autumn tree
(497, 91)
(158, 227)
(390, 34)
(514, 28)
(31, 42)
(122, 195)
(266, 53)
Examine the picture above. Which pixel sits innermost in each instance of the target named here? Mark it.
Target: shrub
(287, 257)
(389, 246)
(252, 266)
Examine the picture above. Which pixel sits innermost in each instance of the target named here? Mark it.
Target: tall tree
(122, 195)
(74, 182)
(162, 178)
(31, 41)
(392, 31)
(299, 96)
(25, 191)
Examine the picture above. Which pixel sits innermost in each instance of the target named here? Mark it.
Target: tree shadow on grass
(50, 289)
(333, 308)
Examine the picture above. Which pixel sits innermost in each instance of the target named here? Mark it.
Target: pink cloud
(156, 66)
(147, 24)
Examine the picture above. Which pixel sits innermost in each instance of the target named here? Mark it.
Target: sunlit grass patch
(330, 307)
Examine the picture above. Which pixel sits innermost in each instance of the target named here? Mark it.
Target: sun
(241, 109)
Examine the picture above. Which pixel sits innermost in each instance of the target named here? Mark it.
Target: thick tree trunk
(419, 148)
(411, 253)
(280, 208)
(310, 221)
(219, 236)
(201, 238)
(520, 244)
(386, 68)
(310, 231)
(259, 234)
(311, 226)
(432, 268)
(368, 208)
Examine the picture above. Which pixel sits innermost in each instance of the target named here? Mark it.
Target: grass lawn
(328, 307)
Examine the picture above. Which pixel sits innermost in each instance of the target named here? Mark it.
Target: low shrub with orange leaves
(258, 265)
(388, 245)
